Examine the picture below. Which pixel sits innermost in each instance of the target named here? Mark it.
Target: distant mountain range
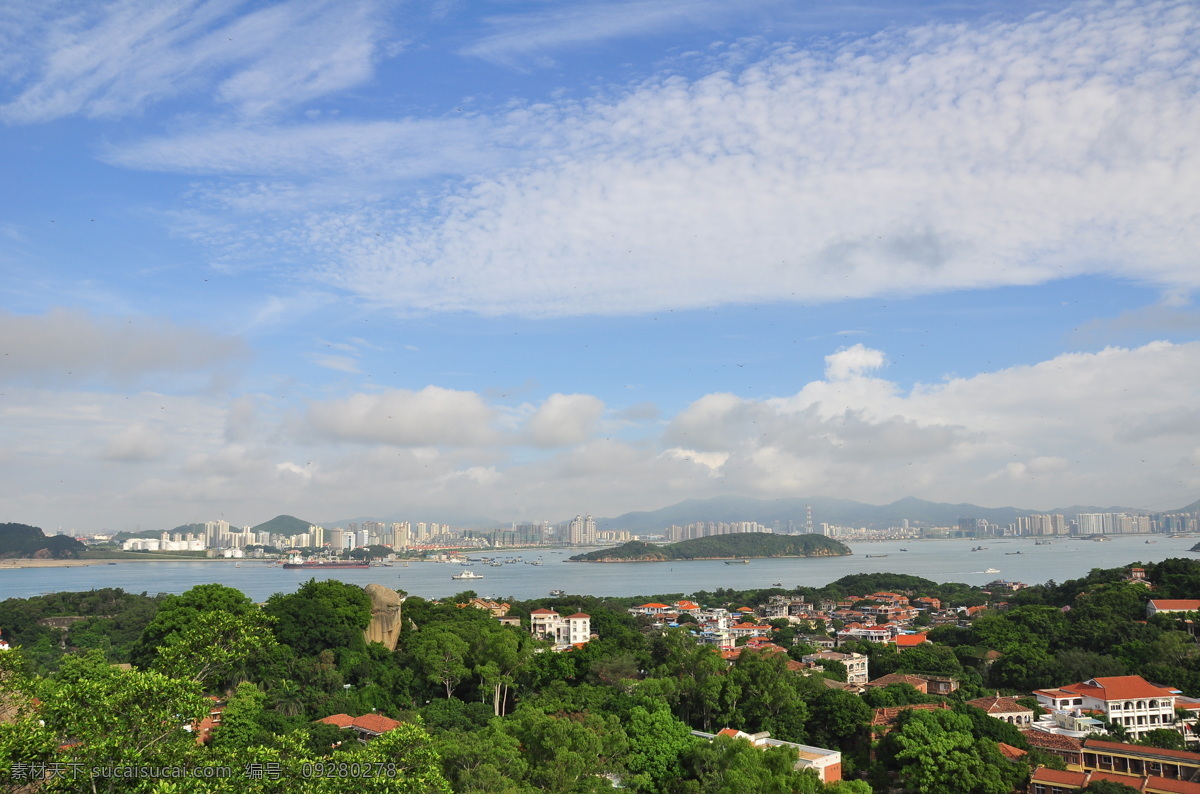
(842, 512)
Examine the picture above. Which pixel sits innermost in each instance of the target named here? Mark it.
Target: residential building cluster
(706, 529)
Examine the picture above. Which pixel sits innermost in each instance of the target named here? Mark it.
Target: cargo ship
(326, 565)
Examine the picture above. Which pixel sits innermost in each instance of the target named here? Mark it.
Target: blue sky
(531, 259)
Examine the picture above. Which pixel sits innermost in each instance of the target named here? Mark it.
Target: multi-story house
(855, 664)
(1126, 700)
(563, 632)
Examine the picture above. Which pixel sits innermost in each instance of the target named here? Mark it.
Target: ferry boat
(466, 575)
(992, 570)
(558, 593)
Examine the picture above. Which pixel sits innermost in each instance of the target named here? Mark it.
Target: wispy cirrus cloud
(109, 60)
(518, 37)
(918, 160)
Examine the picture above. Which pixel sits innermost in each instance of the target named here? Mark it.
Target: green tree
(179, 612)
(102, 716)
(656, 741)
(936, 751)
(442, 657)
(321, 616)
(1108, 787)
(567, 752)
(240, 718)
(485, 760)
(734, 766)
(1164, 738)
(215, 647)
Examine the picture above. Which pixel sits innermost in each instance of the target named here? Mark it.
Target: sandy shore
(29, 563)
(48, 563)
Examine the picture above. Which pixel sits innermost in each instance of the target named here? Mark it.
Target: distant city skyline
(529, 261)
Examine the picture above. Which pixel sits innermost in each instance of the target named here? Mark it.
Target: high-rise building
(316, 536)
(582, 531)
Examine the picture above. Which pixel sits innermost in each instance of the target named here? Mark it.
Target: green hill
(22, 540)
(284, 525)
(746, 545)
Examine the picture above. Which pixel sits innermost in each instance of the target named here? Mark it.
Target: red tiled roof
(686, 605)
(373, 723)
(654, 606)
(730, 732)
(1120, 687)
(911, 639)
(1185, 604)
(1052, 741)
(1119, 747)
(340, 720)
(899, 678)
(1045, 775)
(998, 705)
(1173, 786)
(578, 615)
(376, 723)
(887, 716)
(1008, 751)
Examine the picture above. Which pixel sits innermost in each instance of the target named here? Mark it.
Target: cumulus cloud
(1061, 431)
(852, 361)
(136, 442)
(430, 417)
(72, 346)
(1114, 426)
(564, 419)
(111, 59)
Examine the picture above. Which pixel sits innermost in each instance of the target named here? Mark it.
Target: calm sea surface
(939, 560)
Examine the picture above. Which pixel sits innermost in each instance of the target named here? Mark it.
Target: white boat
(466, 575)
(992, 570)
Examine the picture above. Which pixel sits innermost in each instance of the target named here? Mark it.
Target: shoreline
(712, 559)
(31, 562)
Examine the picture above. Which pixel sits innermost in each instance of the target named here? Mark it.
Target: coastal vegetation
(746, 545)
(108, 678)
(22, 540)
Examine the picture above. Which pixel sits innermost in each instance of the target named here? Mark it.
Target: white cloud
(564, 419)
(137, 442)
(430, 417)
(69, 346)
(367, 150)
(1119, 426)
(852, 361)
(113, 59)
(519, 37)
(339, 363)
(922, 160)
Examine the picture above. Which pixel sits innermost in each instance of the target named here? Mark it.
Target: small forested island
(21, 541)
(744, 546)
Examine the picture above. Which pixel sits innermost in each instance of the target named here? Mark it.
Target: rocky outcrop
(384, 627)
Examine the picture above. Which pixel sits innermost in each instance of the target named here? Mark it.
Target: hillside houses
(1128, 700)
(564, 632)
